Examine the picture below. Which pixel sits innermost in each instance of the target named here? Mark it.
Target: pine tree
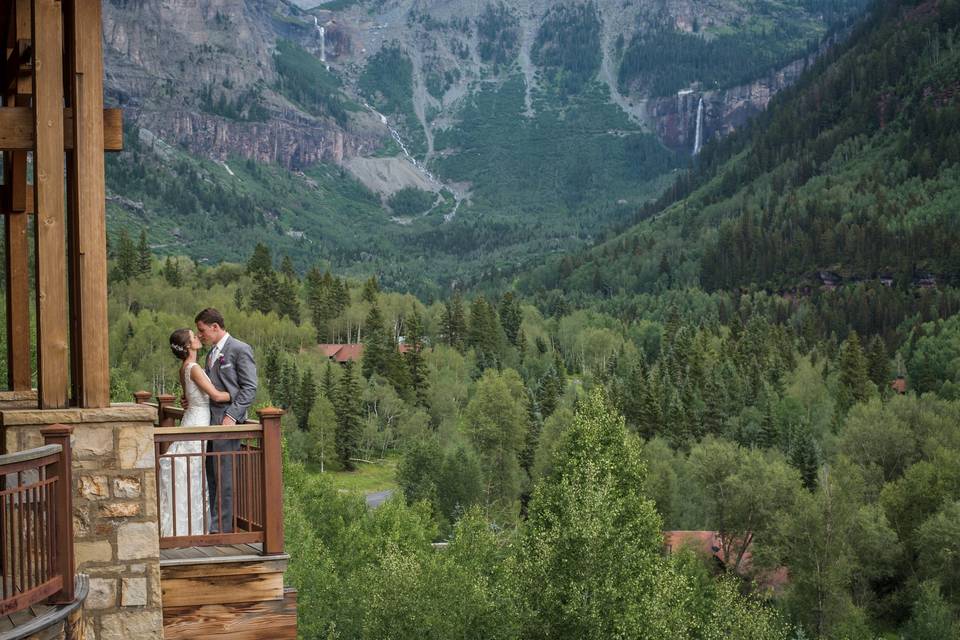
(854, 378)
(265, 291)
(532, 437)
(631, 402)
(454, 322)
(416, 365)
(126, 264)
(287, 270)
(510, 317)
(804, 457)
(272, 370)
(171, 273)
(878, 363)
(144, 258)
(549, 393)
(349, 418)
(329, 387)
(769, 437)
(305, 399)
(375, 353)
(238, 299)
(370, 290)
(260, 260)
(288, 299)
(483, 335)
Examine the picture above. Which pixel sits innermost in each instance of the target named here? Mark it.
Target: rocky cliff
(171, 62)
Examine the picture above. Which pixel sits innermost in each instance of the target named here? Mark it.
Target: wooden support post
(88, 230)
(51, 282)
(17, 272)
(63, 510)
(17, 258)
(272, 481)
(164, 419)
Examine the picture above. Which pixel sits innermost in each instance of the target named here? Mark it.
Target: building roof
(899, 385)
(349, 352)
(708, 543)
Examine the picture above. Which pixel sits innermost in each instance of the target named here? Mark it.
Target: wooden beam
(17, 132)
(52, 321)
(269, 620)
(19, 370)
(86, 192)
(17, 203)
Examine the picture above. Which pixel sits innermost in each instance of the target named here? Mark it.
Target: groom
(231, 368)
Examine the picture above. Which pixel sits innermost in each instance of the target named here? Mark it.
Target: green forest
(769, 351)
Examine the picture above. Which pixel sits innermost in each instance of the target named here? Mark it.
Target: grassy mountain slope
(854, 170)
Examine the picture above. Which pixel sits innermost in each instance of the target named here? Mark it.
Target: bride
(183, 507)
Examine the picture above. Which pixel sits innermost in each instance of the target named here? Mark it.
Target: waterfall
(698, 140)
(322, 34)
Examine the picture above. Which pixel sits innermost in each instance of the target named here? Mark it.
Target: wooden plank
(17, 275)
(238, 565)
(18, 202)
(221, 589)
(273, 620)
(17, 127)
(86, 192)
(51, 283)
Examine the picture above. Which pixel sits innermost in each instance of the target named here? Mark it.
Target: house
(343, 353)
(708, 544)
(829, 280)
(899, 385)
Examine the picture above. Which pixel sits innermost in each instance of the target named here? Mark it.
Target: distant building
(708, 544)
(899, 385)
(343, 353)
(829, 280)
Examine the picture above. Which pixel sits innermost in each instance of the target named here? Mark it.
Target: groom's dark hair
(210, 316)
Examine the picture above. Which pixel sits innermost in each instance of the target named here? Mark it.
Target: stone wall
(115, 512)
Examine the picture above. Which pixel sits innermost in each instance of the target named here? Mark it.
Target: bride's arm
(198, 376)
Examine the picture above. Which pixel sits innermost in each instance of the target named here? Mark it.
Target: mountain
(429, 141)
(850, 181)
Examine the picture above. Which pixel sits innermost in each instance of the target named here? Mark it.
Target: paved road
(376, 499)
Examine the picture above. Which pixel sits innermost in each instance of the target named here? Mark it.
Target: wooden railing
(244, 461)
(36, 530)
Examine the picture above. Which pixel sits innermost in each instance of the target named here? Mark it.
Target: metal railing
(36, 528)
(218, 485)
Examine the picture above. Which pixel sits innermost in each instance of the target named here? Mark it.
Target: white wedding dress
(185, 496)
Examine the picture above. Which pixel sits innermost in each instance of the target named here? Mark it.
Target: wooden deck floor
(215, 554)
(20, 618)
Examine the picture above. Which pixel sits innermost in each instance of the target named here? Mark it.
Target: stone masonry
(114, 511)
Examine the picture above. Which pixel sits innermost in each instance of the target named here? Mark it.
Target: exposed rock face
(675, 118)
(293, 143)
(162, 55)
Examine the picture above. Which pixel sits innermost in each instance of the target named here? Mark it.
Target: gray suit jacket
(235, 371)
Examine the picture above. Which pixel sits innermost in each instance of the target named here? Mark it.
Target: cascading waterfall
(395, 134)
(322, 34)
(698, 139)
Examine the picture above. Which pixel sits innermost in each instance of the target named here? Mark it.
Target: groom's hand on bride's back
(184, 403)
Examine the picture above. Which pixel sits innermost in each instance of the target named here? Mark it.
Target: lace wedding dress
(183, 505)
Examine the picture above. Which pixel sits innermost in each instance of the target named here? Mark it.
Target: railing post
(141, 397)
(164, 400)
(63, 510)
(272, 481)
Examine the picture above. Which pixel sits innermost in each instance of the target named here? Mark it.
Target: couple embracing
(217, 393)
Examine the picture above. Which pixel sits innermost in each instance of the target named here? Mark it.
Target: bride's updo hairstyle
(180, 343)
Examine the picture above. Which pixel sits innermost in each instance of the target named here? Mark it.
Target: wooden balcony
(222, 576)
(37, 581)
